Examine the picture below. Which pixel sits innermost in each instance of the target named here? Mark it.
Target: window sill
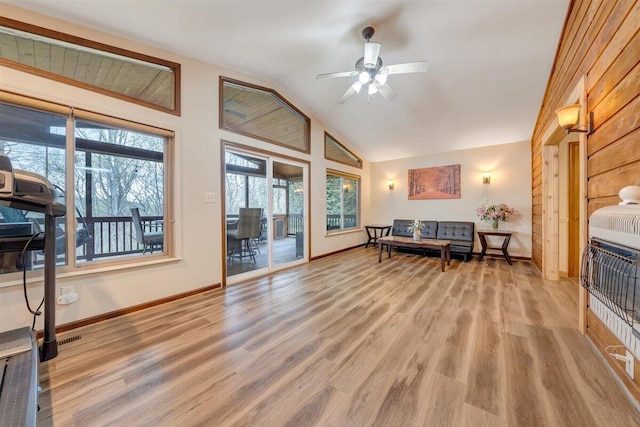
(85, 270)
(337, 233)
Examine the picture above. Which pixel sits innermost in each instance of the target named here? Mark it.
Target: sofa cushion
(400, 228)
(456, 230)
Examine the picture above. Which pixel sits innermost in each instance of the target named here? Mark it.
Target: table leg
(442, 252)
(483, 242)
(380, 252)
(369, 237)
(449, 255)
(505, 245)
(389, 251)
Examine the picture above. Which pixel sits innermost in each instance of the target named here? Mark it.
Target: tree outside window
(343, 200)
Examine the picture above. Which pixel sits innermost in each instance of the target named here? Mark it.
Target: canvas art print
(440, 182)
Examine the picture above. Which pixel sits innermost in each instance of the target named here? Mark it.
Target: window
(343, 201)
(131, 76)
(117, 169)
(262, 113)
(333, 150)
(115, 166)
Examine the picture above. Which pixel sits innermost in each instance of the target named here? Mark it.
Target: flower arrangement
(494, 212)
(416, 228)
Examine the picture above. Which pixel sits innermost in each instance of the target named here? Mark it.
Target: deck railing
(113, 236)
(333, 221)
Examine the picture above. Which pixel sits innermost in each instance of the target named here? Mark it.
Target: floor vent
(68, 340)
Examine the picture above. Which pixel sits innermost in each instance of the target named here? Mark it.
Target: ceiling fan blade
(409, 67)
(349, 93)
(385, 90)
(334, 75)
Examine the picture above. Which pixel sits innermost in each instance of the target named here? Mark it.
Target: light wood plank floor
(344, 341)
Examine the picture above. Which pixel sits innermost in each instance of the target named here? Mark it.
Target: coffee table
(407, 242)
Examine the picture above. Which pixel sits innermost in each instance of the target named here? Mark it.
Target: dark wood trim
(344, 174)
(223, 209)
(224, 144)
(117, 313)
(255, 150)
(68, 38)
(336, 252)
(307, 120)
(327, 134)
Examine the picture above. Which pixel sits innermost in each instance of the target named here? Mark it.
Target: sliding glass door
(265, 219)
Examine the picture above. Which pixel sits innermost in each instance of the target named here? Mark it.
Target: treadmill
(19, 353)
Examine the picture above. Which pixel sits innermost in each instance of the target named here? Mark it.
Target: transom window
(334, 150)
(152, 82)
(263, 114)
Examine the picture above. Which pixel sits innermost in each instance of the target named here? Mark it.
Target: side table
(373, 238)
(505, 243)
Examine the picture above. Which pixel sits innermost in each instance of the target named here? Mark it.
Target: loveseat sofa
(460, 233)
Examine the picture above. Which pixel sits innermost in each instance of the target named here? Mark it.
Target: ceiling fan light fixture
(364, 77)
(357, 86)
(371, 52)
(373, 90)
(381, 77)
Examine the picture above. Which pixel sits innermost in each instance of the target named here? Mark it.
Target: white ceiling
(489, 61)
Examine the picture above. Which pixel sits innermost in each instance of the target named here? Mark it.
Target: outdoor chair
(239, 240)
(149, 239)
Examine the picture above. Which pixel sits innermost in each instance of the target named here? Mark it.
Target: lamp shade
(486, 177)
(568, 116)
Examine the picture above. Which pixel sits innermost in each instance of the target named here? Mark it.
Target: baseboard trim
(128, 310)
(336, 252)
(500, 256)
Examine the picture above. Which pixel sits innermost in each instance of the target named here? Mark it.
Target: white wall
(197, 170)
(510, 166)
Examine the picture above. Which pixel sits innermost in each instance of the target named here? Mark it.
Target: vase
(495, 223)
(416, 235)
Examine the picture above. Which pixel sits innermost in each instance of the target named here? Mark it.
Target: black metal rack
(610, 273)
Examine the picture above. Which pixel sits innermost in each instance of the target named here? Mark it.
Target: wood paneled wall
(601, 42)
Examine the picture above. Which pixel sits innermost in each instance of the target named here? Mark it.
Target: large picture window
(118, 202)
(343, 201)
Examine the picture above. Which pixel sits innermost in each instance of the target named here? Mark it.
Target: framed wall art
(440, 182)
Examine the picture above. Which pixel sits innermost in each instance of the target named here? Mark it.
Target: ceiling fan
(370, 71)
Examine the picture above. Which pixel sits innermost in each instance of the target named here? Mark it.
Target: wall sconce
(569, 116)
(391, 185)
(486, 177)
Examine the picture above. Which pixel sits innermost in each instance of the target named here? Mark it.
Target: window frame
(292, 108)
(342, 176)
(82, 42)
(72, 265)
(328, 135)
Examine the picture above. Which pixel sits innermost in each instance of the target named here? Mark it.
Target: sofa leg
(467, 257)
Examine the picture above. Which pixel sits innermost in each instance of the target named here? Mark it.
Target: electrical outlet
(67, 299)
(629, 364)
(65, 290)
(209, 197)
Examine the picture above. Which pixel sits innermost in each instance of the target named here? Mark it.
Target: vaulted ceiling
(488, 60)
